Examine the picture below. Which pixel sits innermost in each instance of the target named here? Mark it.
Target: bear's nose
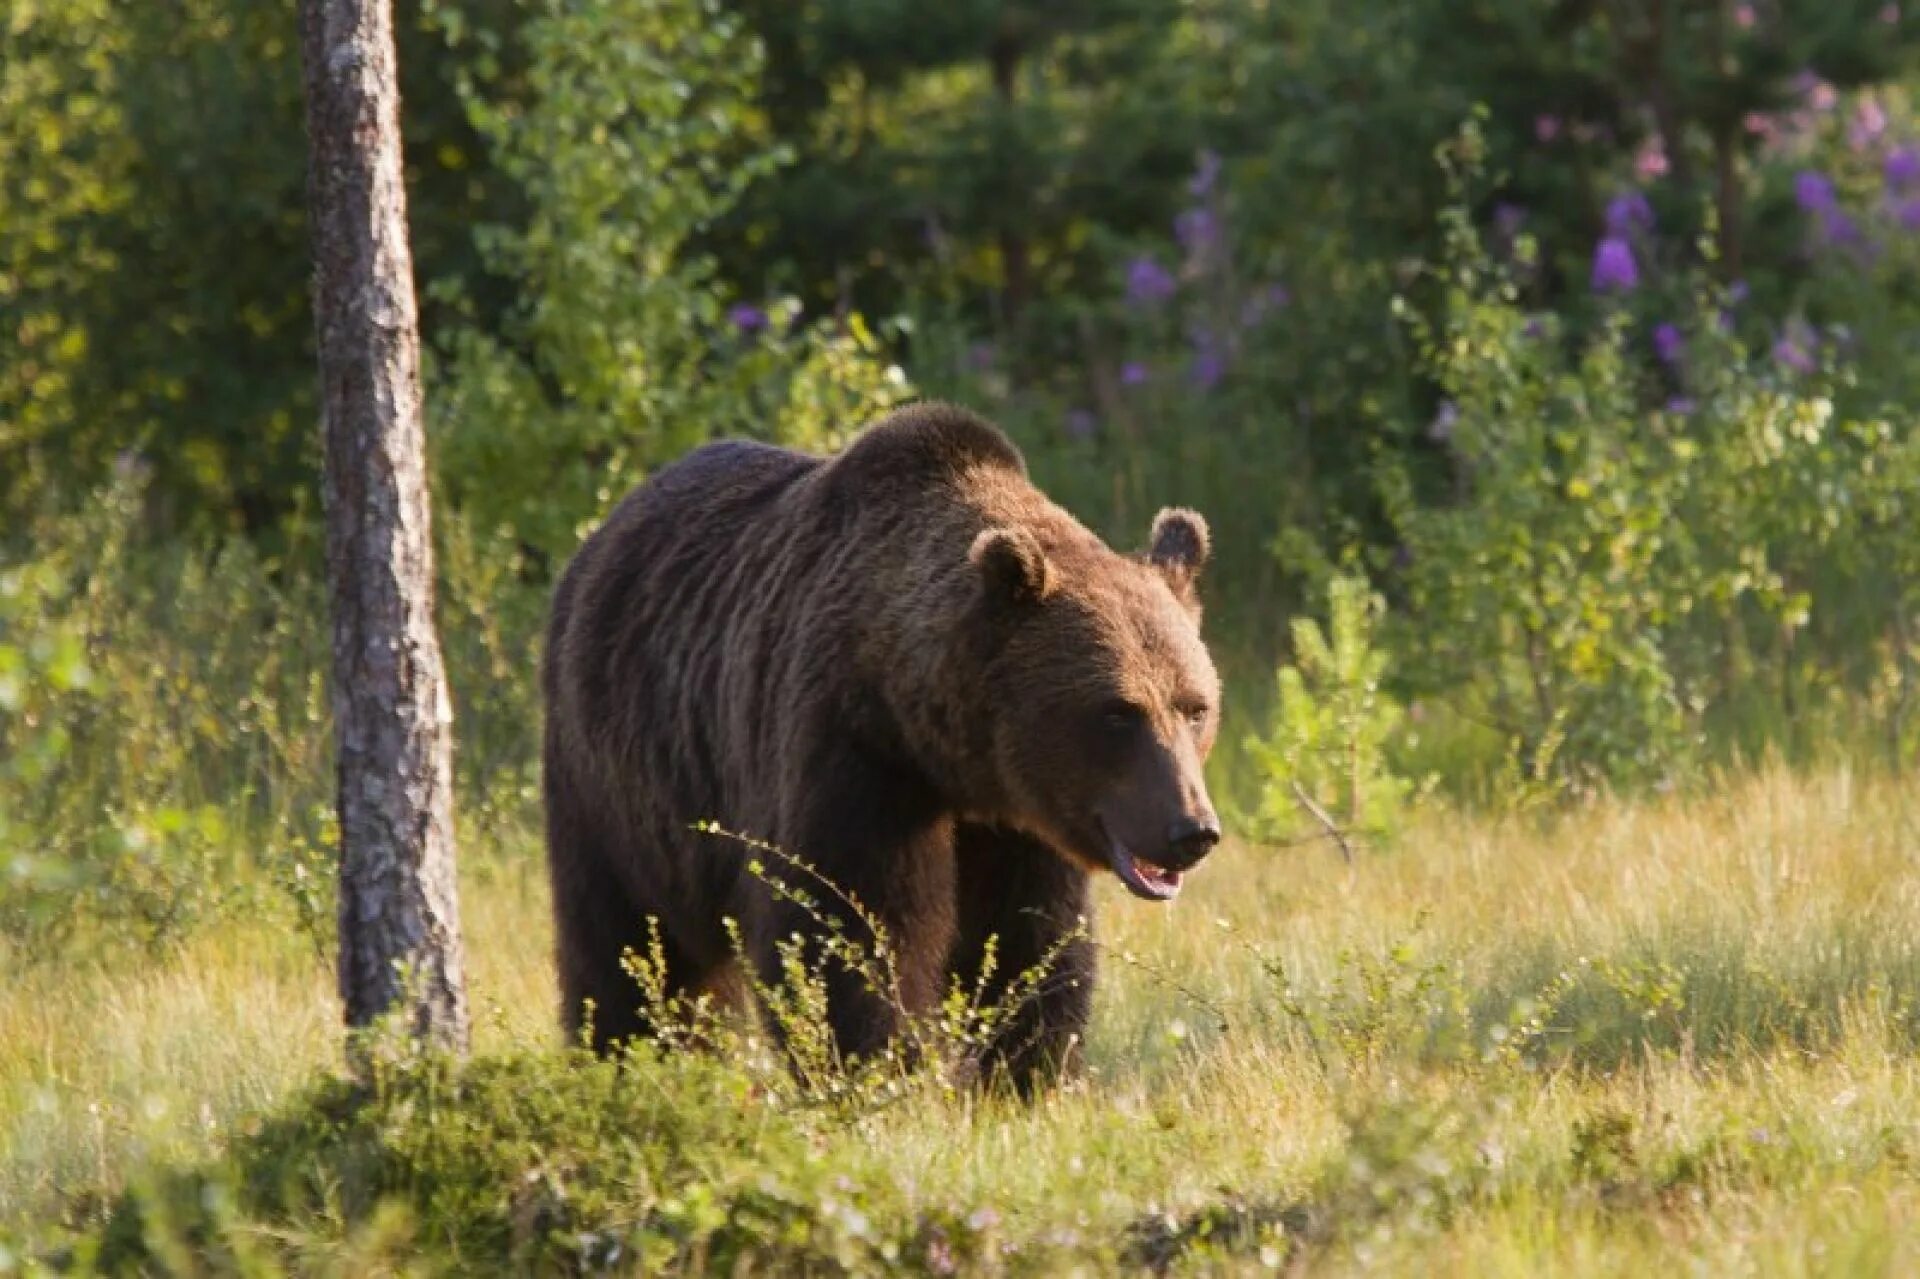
(1191, 838)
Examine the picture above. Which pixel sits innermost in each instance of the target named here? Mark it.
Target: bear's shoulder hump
(929, 439)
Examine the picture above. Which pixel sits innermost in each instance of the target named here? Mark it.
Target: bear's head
(1106, 702)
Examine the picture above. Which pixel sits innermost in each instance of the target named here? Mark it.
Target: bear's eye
(1196, 716)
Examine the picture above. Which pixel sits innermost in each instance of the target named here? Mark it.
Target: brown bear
(903, 665)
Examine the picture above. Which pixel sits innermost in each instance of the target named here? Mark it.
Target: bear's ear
(1012, 564)
(1179, 546)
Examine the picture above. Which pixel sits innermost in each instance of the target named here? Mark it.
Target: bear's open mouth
(1143, 879)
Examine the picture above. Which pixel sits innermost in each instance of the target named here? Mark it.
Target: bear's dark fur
(903, 665)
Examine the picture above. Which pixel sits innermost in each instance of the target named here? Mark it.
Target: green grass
(1678, 1032)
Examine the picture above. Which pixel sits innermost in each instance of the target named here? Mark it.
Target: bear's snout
(1189, 839)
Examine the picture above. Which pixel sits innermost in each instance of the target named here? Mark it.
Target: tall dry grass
(1640, 1030)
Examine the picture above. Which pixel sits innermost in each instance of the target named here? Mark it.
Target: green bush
(162, 730)
(633, 130)
(536, 1163)
(699, 1149)
(1627, 550)
(166, 747)
(1333, 725)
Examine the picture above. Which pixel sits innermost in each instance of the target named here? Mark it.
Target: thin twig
(1319, 814)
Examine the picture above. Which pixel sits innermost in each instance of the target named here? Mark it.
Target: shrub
(1332, 725)
(699, 1149)
(529, 1163)
(1625, 546)
(165, 743)
(632, 132)
(161, 731)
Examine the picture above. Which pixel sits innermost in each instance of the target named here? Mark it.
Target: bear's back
(744, 571)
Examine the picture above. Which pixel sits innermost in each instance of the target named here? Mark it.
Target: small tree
(1325, 751)
(399, 914)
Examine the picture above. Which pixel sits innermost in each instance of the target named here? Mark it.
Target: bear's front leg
(878, 857)
(1035, 907)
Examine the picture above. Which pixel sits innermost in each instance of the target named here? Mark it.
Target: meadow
(1670, 1032)
(1549, 387)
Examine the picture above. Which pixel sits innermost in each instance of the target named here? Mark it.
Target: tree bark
(400, 948)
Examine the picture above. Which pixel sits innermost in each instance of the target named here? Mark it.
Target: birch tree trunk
(399, 910)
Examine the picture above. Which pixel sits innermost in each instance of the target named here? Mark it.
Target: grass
(1672, 1032)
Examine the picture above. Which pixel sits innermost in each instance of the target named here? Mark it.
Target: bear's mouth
(1145, 880)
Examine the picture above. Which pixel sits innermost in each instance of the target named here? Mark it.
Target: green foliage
(63, 166)
(154, 259)
(837, 380)
(1619, 556)
(935, 1051)
(696, 1149)
(165, 744)
(636, 132)
(1541, 596)
(1132, 232)
(975, 153)
(1398, 1012)
(1333, 725)
(154, 715)
(42, 666)
(535, 1162)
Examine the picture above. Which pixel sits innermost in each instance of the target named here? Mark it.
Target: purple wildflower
(1869, 123)
(980, 356)
(1668, 343)
(1535, 328)
(1838, 226)
(1081, 424)
(1207, 369)
(1209, 363)
(1205, 174)
(1508, 218)
(1198, 230)
(748, 318)
(1813, 191)
(1629, 212)
(1907, 213)
(1614, 270)
(1745, 16)
(1738, 292)
(1546, 127)
(1134, 373)
(1445, 418)
(1274, 297)
(1681, 404)
(1902, 167)
(1790, 353)
(1149, 283)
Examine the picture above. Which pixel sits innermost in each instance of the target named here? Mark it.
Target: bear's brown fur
(903, 665)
